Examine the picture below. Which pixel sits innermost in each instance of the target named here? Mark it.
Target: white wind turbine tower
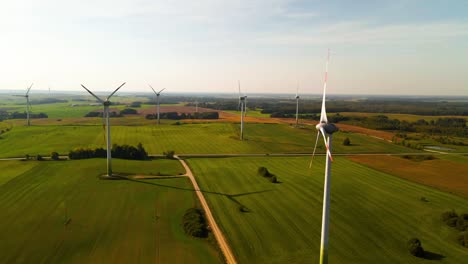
(28, 104)
(157, 99)
(297, 105)
(106, 104)
(242, 106)
(326, 129)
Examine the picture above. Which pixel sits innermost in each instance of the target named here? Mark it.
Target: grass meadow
(200, 138)
(109, 221)
(373, 214)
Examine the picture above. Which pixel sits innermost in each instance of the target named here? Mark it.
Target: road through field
(230, 259)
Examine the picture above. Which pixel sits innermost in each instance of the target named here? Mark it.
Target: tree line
(177, 116)
(117, 151)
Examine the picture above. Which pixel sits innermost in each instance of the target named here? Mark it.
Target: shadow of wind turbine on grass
(231, 197)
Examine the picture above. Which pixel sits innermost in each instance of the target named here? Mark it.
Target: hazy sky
(379, 47)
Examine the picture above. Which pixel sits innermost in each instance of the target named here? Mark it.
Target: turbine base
(110, 177)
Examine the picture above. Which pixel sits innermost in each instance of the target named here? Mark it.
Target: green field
(116, 221)
(372, 215)
(189, 138)
(252, 113)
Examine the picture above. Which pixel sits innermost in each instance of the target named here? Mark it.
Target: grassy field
(188, 138)
(372, 215)
(442, 174)
(253, 113)
(110, 221)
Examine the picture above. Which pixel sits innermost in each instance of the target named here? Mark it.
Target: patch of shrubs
(118, 151)
(415, 248)
(347, 142)
(460, 222)
(419, 157)
(100, 114)
(129, 111)
(54, 155)
(262, 171)
(169, 154)
(194, 223)
(463, 239)
(177, 116)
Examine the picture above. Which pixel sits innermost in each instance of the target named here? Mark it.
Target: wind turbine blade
(161, 90)
(152, 89)
(99, 99)
(315, 147)
(115, 91)
(323, 114)
(27, 92)
(297, 89)
(322, 130)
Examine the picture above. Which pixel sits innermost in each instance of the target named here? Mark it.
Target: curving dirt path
(223, 245)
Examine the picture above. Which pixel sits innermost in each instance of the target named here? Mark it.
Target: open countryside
(234, 132)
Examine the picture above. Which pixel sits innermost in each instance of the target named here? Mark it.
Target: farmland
(188, 138)
(373, 214)
(56, 212)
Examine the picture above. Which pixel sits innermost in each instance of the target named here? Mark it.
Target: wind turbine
(106, 104)
(326, 129)
(28, 104)
(297, 105)
(242, 106)
(157, 99)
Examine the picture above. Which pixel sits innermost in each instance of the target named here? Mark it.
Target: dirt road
(223, 245)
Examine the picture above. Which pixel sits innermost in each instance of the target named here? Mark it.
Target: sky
(414, 47)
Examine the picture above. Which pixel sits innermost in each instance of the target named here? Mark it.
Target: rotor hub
(107, 103)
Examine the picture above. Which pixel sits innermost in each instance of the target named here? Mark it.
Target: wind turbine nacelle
(107, 103)
(297, 97)
(330, 128)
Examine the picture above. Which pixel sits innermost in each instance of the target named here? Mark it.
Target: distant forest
(280, 107)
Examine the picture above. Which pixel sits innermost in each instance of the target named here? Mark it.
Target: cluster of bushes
(460, 222)
(418, 157)
(3, 131)
(262, 171)
(118, 151)
(100, 114)
(415, 248)
(347, 142)
(177, 116)
(169, 154)
(194, 223)
(18, 115)
(128, 111)
(129, 152)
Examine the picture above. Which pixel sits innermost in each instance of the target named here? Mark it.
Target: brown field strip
(445, 175)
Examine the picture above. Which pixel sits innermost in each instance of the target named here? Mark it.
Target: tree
(415, 248)
(347, 142)
(54, 155)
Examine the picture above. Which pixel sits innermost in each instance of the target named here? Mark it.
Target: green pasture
(373, 214)
(108, 221)
(200, 138)
(252, 113)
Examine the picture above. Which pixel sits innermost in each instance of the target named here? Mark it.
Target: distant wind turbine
(157, 99)
(242, 107)
(297, 105)
(106, 104)
(326, 129)
(28, 104)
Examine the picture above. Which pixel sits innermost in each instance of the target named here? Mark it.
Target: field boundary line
(222, 242)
